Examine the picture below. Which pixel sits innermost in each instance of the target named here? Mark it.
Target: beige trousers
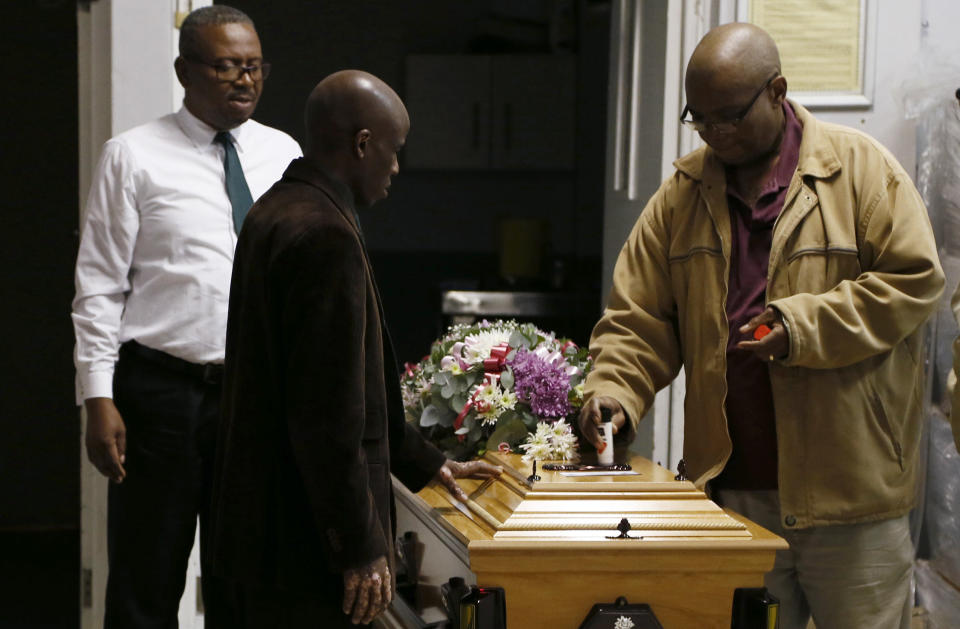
(849, 576)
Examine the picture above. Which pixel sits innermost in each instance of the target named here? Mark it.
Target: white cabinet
(508, 112)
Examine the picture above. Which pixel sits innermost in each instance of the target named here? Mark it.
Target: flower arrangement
(498, 385)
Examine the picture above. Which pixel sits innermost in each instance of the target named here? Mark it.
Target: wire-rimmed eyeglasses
(726, 125)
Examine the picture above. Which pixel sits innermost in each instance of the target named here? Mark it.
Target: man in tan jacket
(788, 266)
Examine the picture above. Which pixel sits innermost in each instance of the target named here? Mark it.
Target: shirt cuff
(94, 384)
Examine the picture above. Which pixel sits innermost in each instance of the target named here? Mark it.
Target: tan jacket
(854, 272)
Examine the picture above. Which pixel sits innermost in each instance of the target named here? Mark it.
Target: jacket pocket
(879, 411)
(817, 268)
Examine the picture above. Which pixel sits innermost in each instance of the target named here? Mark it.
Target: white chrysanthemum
(508, 400)
(538, 446)
(550, 442)
(623, 623)
(563, 440)
(477, 346)
(488, 401)
(536, 451)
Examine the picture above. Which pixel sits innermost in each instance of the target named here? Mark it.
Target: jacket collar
(307, 171)
(818, 158)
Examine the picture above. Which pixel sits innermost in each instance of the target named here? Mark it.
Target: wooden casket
(550, 545)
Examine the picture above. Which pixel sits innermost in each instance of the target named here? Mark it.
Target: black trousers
(171, 419)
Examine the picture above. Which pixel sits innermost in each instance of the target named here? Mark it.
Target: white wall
(898, 42)
(940, 20)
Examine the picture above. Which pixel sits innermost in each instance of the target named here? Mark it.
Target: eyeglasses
(726, 125)
(228, 72)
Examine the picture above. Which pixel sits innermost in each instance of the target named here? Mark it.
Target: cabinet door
(448, 98)
(533, 111)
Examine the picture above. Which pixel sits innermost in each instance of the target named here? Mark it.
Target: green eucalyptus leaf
(458, 401)
(476, 431)
(449, 389)
(446, 417)
(529, 421)
(511, 431)
(506, 379)
(472, 378)
(461, 382)
(430, 417)
(518, 339)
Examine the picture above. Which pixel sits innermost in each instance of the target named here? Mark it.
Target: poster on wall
(826, 47)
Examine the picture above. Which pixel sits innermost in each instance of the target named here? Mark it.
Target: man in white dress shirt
(150, 312)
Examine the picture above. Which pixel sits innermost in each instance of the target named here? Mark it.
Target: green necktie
(237, 188)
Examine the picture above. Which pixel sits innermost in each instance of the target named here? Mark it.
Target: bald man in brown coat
(313, 423)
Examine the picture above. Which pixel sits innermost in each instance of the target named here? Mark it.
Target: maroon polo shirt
(749, 403)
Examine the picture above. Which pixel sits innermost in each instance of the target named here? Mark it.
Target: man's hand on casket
(470, 469)
(367, 591)
(589, 420)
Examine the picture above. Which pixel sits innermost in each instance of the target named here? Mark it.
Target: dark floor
(39, 579)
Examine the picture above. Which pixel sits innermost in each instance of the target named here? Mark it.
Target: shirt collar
(789, 147)
(202, 134)
(789, 150)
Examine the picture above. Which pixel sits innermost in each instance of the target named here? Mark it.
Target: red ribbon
(498, 357)
(458, 422)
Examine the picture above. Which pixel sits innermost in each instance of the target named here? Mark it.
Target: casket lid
(561, 507)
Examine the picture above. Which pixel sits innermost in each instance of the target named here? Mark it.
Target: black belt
(210, 373)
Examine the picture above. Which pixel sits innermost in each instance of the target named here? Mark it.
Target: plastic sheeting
(930, 97)
(942, 513)
(939, 597)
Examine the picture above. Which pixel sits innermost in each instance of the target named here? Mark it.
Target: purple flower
(542, 382)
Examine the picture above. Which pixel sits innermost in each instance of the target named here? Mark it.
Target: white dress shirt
(156, 250)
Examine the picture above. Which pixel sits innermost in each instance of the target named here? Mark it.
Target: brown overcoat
(313, 423)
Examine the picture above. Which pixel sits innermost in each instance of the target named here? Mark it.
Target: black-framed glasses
(228, 72)
(727, 125)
